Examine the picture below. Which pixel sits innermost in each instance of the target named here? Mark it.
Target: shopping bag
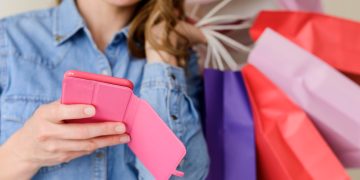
(229, 127)
(228, 124)
(288, 144)
(334, 40)
(302, 5)
(225, 25)
(330, 98)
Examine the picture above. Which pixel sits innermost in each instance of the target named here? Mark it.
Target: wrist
(194, 34)
(154, 56)
(13, 165)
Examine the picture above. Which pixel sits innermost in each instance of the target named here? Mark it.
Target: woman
(144, 41)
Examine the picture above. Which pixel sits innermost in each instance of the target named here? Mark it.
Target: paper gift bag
(329, 97)
(288, 144)
(225, 24)
(229, 127)
(334, 40)
(304, 5)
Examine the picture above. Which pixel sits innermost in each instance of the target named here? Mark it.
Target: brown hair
(149, 13)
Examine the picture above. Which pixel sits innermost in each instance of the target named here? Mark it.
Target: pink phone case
(152, 141)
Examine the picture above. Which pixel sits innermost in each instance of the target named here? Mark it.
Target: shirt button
(173, 77)
(182, 162)
(99, 155)
(173, 117)
(105, 72)
(58, 38)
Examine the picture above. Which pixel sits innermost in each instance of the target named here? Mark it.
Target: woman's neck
(104, 20)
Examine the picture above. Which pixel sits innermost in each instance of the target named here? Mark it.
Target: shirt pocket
(15, 111)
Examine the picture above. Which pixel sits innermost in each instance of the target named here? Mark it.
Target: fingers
(91, 145)
(68, 150)
(191, 32)
(57, 112)
(90, 130)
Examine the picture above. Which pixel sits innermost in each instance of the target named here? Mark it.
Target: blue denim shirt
(36, 49)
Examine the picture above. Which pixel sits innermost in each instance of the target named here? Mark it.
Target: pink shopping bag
(329, 97)
(287, 142)
(334, 40)
(304, 5)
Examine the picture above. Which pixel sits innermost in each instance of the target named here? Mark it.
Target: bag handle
(241, 26)
(220, 19)
(217, 54)
(194, 10)
(212, 52)
(216, 9)
(234, 44)
(217, 51)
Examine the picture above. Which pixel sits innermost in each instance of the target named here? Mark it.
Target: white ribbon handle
(217, 54)
(194, 10)
(217, 50)
(212, 51)
(241, 26)
(216, 9)
(234, 44)
(221, 19)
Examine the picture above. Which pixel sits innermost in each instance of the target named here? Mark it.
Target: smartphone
(152, 141)
(99, 78)
(109, 95)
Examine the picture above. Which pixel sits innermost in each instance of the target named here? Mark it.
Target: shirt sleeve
(195, 86)
(172, 92)
(188, 81)
(3, 55)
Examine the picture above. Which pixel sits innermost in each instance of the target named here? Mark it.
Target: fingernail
(125, 139)
(120, 128)
(90, 111)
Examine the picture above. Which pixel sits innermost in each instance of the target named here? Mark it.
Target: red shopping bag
(288, 144)
(335, 40)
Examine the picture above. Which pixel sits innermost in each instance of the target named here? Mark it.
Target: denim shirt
(36, 49)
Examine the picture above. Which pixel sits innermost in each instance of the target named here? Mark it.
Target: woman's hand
(189, 31)
(46, 140)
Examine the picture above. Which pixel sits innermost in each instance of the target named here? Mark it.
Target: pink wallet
(152, 141)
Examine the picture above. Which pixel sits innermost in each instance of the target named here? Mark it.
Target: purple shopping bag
(229, 127)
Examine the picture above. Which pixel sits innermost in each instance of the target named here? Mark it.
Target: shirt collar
(68, 21)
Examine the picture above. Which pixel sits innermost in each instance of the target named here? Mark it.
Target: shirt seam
(163, 84)
(4, 52)
(3, 64)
